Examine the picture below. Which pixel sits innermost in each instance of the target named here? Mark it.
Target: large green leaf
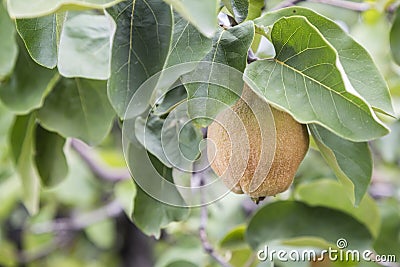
(22, 146)
(31, 9)
(289, 219)
(151, 215)
(395, 37)
(304, 80)
(331, 194)
(230, 46)
(141, 44)
(49, 157)
(201, 14)
(85, 46)
(351, 161)
(360, 69)
(78, 108)
(230, 49)
(188, 44)
(8, 45)
(41, 37)
(28, 85)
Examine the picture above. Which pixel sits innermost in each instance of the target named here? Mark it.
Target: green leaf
(151, 215)
(22, 138)
(230, 48)
(395, 37)
(245, 257)
(150, 174)
(388, 241)
(125, 193)
(28, 85)
(228, 5)
(181, 263)
(201, 14)
(78, 108)
(49, 157)
(188, 44)
(358, 65)
(174, 141)
(289, 219)
(141, 44)
(8, 44)
(255, 9)
(240, 9)
(234, 239)
(304, 80)
(188, 250)
(102, 234)
(10, 197)
(80, 188)
(331, 194)
(32, 9)
(8, 253)
(246, 9)
(41, 36)
(351, 162)
(85, 46)
(6, 121)
(171, 99)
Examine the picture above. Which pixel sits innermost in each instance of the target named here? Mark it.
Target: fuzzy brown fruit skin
(291, 144)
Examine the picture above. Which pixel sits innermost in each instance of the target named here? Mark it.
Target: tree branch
(360, 7)
(80, 221)
(63, 227)
(286, 3)
(96, 165)
(208, 248)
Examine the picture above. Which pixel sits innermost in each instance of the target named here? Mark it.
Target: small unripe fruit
(280, 154)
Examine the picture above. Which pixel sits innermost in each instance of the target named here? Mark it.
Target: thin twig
(97, 166)
(63, 228)
(208, 248)
(360, 7)
(286, 3)
(355, 6)
(80, 221)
